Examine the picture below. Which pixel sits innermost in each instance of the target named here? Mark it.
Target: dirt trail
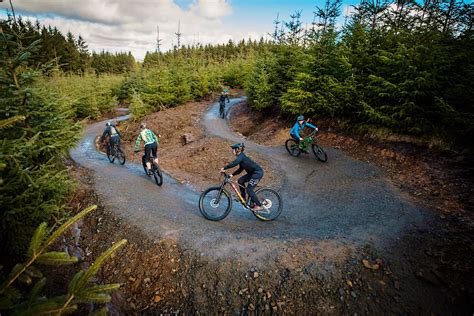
(343, 200)
(334, 215)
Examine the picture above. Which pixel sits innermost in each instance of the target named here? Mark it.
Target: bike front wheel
(272, 205)
(292, 147)
(319, 152)
(215, 203)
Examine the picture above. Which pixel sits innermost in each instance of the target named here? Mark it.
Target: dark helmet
(300, 118)
(108, 124)
(238, 146)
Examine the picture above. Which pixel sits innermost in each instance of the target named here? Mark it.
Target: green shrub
(34, 178)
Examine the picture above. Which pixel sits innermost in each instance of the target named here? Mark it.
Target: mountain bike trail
(344, 200)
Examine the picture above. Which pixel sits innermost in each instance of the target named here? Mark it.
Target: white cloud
(211, 8)
(124, 25)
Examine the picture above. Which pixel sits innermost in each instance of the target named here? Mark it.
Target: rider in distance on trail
(224, 96)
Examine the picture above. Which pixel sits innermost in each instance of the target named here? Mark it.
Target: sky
(125, 25)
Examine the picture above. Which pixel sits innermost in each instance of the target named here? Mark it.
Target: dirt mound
(184, 151)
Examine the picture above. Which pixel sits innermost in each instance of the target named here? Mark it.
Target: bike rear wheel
(121, 156)
(109, 155)
(292, 147)
(215, 204)
(222, 111)
(319, 152)
(158, 175)
(271, 203)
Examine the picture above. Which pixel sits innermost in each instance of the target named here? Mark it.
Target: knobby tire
(210, 196)
(292, 147)
(269, 195)
(320, 154)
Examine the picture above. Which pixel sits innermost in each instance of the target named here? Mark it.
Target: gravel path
(344, 200)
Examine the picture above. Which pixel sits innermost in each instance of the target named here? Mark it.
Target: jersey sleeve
(234, 163)
(310, 125)
(137, 143)
(238, 171)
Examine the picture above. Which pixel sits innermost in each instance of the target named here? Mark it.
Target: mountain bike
(115, 151)
(222, 109)
(155, 170)
(296, 149)
(215, 203)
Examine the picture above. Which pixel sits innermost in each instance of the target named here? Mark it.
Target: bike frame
(312, 136)
(228, 180)
(151, 161)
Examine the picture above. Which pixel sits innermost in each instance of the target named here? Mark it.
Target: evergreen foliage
(37, 133)
(14, 295)
(70, 54)
(190, 73)
(397, 64)
(87, 96)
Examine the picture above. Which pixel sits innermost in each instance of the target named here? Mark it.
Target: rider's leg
(113, 140)
(242, 180)
(221, 108)
(255, 178)
(147, 157)
(154, 152)
(295, 138)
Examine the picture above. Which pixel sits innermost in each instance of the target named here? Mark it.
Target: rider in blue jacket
(300, 124)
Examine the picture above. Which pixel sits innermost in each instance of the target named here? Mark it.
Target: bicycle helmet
(237, 146)
(300, 118)
(108, 124)
(143, 125)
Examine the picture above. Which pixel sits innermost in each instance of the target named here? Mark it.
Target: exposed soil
(159, 276)
(198, 159)
(428, 271)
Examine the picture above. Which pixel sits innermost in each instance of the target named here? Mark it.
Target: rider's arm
(310, 125)
(137, 143)
(104, 134)
(238, 171)
(228, 100)
(234, 163)
(155, 138)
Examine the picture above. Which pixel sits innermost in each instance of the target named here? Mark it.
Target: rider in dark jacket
(253, 176)
(114, 135)
(224, 96)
